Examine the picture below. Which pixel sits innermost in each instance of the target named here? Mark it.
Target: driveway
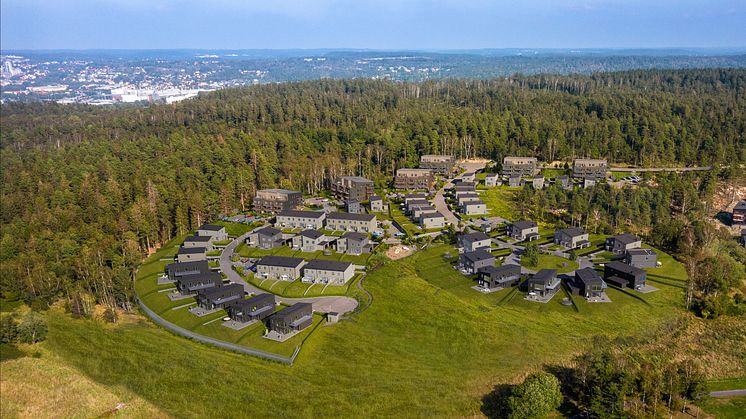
(338, 304)
(439, 201)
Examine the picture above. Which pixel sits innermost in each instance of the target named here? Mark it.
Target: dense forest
(87, 191)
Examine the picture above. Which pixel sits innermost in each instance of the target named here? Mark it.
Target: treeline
(87, 191)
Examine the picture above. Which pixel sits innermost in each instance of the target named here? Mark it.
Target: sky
(371, 24)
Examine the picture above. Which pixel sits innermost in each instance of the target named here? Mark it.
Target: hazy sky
(384, 24)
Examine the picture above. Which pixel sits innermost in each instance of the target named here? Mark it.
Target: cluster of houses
(465, 196)
(421, 211)
(517, 171)
(195, 248)
(317, 271)
(423, 178)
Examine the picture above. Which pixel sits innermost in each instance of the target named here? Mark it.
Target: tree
(531, 254)
(8, 329)
(536, 397)
(33, 328)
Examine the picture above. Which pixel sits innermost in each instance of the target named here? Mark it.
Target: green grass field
(500, 202)
(562, 265)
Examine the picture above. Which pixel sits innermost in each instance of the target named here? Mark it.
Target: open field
(253, 252)
(561, 265)
(499, 202)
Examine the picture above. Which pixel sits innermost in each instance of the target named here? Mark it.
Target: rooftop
(588, 275)
(476, 236)
(211, 227)
(311, 234)
(191, 250)
(268, 231)
(348, 216)
(294, 308)
(544, 275)
(200, 239)
(303, 214)
(478, 255)
(185, 266)
(429, 215)
(328, 265)
(498, 270)
(351, 235)
(217, 291)
(741, 205)
(623, 267)
(641, 252)
(358, 179)
(626, 238)
(279, 191)
(283, 261)
(573, 231)
(375, 198)
(524, 224)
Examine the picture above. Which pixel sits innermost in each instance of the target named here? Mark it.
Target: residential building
(421, 209)
(265, 238)
(739, 213)
(520, 166)
(414, 204)
(354, 243)
(469, 177)
(432, 220)
(354, 188)
(191, 254)
(279, 268)
(353, 207)
(474, 208)
(277, 200)
(471, 262)
(543, 285)
(473, 241)
(492, 179)
(199, 241)
(498, 277)
(588, 283)
(342, 221)
(464, 187)
(292, 319)
(515, 181)
(743, 237)
(258, 307)
(310, 241)
(572, 238)
(564, 182)
(589, 183)
(377, 204)
(619, 244)
(523, 230)
(179, 269)
(190, 284)
(410, 179)
(440, 164)
(594, 169)
(467, 197)
(220, 297)
(300, 219)
(538, 182)
(217, 232)
(415, 196)
(641, 258)
(322, 271)
(623, 275)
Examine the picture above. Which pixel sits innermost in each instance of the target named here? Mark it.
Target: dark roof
(415, 195)
(257, 299)
(743, 232)
(202, 277)
(476, 236)
(303, 214)
(328, 265)
(417, 201)
(435, 214)
(469, 195)
(210, 293)
(563, 178)
(351, 235)
(623, 267)
(211, 227)
(352, 201)
(477, 255)
(375, 198)
(588, 275)
(741, 205)
(625, 238)
(573, 231)
(268, 231)
(636, 252)
(283, 261)
(293, 308)
(311, 234)
(191, 250)
(348, 216)
(200, 265)
(498, 270)
(544, 275)
(198, 239)
(470, 203)
(524, 224)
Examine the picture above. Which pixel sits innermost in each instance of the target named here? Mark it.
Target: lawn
(724, 408)
(562, 265)
(553, 173)
(236, 229)
(500, 203)
(253, 252)
(403, 221)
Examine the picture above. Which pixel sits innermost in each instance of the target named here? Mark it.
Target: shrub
(32, 328)
(536, 397)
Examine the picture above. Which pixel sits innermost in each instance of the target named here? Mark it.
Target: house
(589, 183)
(619, 244)
(419, 210)
(594, 169)
(537, 182)
(310, 241)
(468, 177)
(354, 244)
(564, 182)
(292, 319)
(300, 219)
(190, 284)
(641, 258)
(743, 237)
(191, 254)
(354, 188)
(258, 307)
(353, 207)
(220, 297)
(515, 181)
(432, 220)
(277, 200)
(520, 166)
(543, 285)
(377, 204)
(492, 179)
(322, 271)
(523, 230)
(739, 213)
(199, 241)
(471, 262)
(279, 268)
(588, 284)
(440, 164)
(467, 197)
(498, 277)
(414, 196)
(623, 275)
(217, 232)
(343, 221)
(473, 241)
(179, 269)
(265, 238)
(463, 187)
(572, 238)
(474, 208)
(410, 179)
(415, 204)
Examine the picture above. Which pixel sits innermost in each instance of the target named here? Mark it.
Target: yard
(546, 261)
(499, 202)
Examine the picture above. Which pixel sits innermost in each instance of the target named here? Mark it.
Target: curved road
(338, 304)
(439, 200)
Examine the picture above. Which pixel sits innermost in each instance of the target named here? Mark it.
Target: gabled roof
(625, 238)
(572, 231)
(524, 224)
(328, 265)
(294, 308)
(478, 255)
(741, 205)
(476, 236)
(588, 276)
(211, 293)
(268, 231)
(211, 227)
(351, 235)
(311, 234)
(259, 299)
(283, 261)
(544, 275)
(348, 216)
(302, 214)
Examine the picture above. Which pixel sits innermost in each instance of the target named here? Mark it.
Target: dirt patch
(399, 251)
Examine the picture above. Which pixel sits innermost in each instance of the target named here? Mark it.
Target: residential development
(277, 200)
(592, 169)
(355, 188)
(440, 164)
(520, 166)
(413, 179)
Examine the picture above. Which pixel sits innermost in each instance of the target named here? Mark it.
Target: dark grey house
(619, 244)
(588, 283)
(265, 238)
(258, 307)
(471, 262)
(179, 269)
(564, 182)
(515, 181)
(495, 277)
(572, 238)
(544, 284)
(623, 275)
(354, 243)
(219, 297)
(523, 230)
(473, 241)
(198, 282)
(279, 268)
(641, 258)
(292, 319)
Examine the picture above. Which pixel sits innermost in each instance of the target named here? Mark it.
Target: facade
(191, 254)
(623, 275)
(440, 164)
(342, 221)
(739, 213)
(419, 210)
(356, 188)
(572, 238)
(588, 283)
(468, 177)
(461, 198)
(217, 232)
(415, 196)
(564, 182)
(619, 244)
(300, 219)
(190, 284)
(277, 200)
(354, 244)
(538, 182)
(472, 262)
(589, 183)
(594, 169)
(292, 319)
(520, 166)
(220, 297)
(497, 277)
(492, 179)
(544, 284)
(377, 204)
(310, 241)
(258, 307)
(265, 238)
(431, 220)
(353, 207)
(473, 241)
(523, 230)
(515, 181)
(474, 208)
(410, 179)
(199, 241)
(416, 204)
(179, 269)
(328, 271)
(279, 268)
(641, 258)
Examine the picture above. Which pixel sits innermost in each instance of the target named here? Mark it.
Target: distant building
(468, 177)
(412, 179)
(300, 219)
(421, 209)
(589, 183)
(493, 278)
(538, 182)
(334, 272)
(474, 208)
(220, 297)
(621, 243)
(492, 179)
(543, 285)
(342, 221)
(564, 182)
(432, 220)
(277, 200)
(471, 262)
(641, 258)
(189, 284)
(739, 213)
(258, 307)
(572, 238)
(419, 196)
(623, 275)
(354, 188)
(292, 319)
(191, 254)
(377, 204)
(265, 238)
(441, 164)
(217, 232)
(473, 241)
(353, 207)
(593, 169)
(279, 268)
(743, 237)
(467, 197)
(515, 181)
(523, 230)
